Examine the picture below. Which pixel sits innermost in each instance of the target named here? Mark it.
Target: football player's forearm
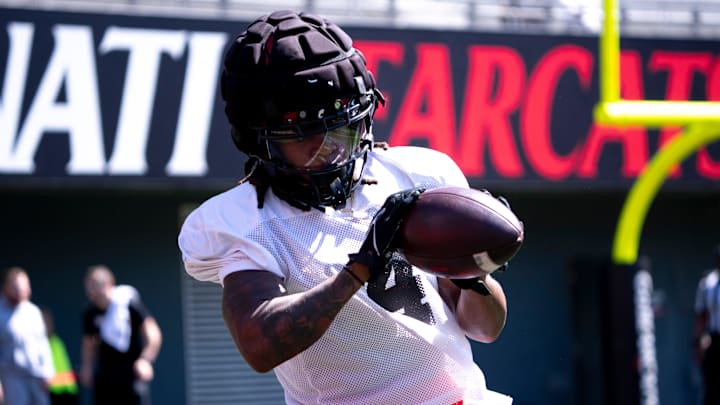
(483, 317)
(279, 328)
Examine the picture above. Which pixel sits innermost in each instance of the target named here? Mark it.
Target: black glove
(506, 203)
(476, 284)
(500, 198)
(381, 238)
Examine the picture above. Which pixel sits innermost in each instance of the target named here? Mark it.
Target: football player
(304, 246)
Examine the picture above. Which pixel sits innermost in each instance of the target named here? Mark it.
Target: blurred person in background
(706, 335)
(121, 341)
(26, 364)
(63, 386)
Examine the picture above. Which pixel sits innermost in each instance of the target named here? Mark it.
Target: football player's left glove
(381, 238)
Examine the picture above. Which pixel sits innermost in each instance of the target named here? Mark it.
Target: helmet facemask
(318, 162)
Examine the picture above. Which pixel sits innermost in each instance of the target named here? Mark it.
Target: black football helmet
(291, 76)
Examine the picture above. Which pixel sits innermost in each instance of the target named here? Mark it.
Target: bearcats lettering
(133, 100)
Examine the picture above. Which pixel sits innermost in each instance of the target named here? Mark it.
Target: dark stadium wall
(541, 357)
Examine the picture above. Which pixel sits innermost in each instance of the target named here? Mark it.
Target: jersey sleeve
(214, 238)
(137, 306)
(427, 167)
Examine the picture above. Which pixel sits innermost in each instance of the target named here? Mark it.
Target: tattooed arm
(270, 326)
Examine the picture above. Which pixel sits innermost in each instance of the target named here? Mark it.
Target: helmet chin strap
(307, 191)
(305, 194)
(337, 190)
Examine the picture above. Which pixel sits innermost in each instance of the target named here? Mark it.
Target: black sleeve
(138, 308)
(89, 326)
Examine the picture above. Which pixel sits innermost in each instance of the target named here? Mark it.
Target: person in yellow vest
(63, 386)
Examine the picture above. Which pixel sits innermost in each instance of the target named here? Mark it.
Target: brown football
(460, 232)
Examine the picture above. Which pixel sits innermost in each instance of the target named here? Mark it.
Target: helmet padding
(286, 62)
(288, 71)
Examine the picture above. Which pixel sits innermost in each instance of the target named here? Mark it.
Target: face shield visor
(321, 150)
(321, 144)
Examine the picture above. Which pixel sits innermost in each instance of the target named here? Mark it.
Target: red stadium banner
(87, 99)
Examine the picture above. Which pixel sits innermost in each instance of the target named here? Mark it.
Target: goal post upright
(613, 110)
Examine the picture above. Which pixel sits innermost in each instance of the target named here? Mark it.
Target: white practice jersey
(396, 343)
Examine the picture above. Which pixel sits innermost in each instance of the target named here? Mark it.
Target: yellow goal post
(700, 119)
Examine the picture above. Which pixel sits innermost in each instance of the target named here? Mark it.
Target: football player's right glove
(381, 238)
(476, 284)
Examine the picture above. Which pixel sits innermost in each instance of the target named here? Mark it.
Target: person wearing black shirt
(121, 341)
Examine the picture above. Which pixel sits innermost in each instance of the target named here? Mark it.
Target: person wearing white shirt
(26, 365)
